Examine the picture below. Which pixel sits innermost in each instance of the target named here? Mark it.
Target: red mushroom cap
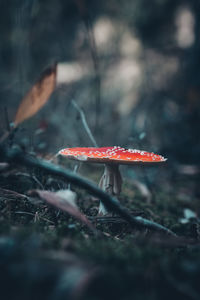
(111, 155)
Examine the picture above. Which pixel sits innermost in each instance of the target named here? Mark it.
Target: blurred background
(132, 66)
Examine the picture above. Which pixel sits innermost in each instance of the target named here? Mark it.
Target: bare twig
(87, 129)
(37, 181)
(85, 124)
(16, 155)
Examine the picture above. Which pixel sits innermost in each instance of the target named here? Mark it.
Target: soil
(46, 253)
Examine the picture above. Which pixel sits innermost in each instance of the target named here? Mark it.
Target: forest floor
(46, 254)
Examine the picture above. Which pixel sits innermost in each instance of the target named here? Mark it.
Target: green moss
(132, 264)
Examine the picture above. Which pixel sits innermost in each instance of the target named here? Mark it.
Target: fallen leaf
(37, 96)
(68, 196)
(62, 203)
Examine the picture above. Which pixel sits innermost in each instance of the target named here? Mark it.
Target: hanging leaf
(64, 204)
(37, 96)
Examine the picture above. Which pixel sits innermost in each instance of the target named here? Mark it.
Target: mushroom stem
(110, 182)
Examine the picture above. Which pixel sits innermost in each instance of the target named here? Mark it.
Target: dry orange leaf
(37, 96)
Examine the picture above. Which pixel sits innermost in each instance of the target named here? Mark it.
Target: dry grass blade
(61, 203)
(37, 96)
(11, 195)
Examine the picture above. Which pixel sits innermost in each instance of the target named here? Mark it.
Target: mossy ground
(126, 263)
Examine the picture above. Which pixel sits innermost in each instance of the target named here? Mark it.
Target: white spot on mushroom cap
(82, 157)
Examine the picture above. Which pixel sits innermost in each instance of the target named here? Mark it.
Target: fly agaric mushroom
(112, 157)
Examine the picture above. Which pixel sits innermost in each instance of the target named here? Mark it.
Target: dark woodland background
(147, 55)
(133, 67)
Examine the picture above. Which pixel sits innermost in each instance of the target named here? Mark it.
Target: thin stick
(85, 124)
(17, 156)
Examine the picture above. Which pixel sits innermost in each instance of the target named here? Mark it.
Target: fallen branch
(17, 156)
